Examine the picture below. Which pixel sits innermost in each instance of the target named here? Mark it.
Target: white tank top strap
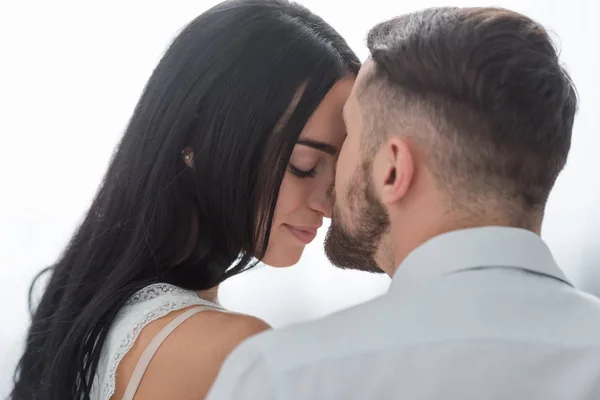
(157, 341)
(146, 305)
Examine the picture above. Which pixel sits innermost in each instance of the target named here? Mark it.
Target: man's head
(461, 117)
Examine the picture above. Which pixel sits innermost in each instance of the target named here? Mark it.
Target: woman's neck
(211, 294)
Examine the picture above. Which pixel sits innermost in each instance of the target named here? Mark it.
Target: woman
(227, 160)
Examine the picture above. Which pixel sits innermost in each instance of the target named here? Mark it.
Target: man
(458, 126)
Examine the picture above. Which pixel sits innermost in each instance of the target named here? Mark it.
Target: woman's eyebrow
(322, 146)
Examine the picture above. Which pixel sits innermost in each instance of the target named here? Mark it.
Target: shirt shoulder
(435, 331)
(363, 328)
(563, 316)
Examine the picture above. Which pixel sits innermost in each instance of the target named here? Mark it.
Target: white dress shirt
(477, 314)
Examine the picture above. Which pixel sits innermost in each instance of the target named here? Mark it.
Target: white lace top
(149, 304)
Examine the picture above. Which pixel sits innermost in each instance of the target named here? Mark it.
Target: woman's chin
(283, 260)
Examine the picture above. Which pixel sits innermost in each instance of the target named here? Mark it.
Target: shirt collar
(476, 248)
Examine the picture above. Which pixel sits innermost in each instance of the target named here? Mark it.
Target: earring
(187, 156)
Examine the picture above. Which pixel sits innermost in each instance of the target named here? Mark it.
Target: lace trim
(184, 299)
(155, 290)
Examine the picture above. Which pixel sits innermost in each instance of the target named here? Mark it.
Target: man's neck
(404, 239)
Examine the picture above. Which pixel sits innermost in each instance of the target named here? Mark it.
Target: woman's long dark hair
(222, 89)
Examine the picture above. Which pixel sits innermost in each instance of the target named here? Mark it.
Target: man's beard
(357, 247)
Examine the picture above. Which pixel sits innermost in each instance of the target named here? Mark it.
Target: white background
(71, 73)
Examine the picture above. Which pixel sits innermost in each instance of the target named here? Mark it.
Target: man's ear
(398, 170)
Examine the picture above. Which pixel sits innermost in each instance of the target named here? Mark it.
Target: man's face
(359, 220)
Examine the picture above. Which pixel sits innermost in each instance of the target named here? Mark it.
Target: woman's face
(303, 196)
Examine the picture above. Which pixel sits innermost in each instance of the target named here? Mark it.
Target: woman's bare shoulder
(187, 362)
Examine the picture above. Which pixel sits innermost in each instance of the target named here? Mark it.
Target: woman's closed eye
(301, 173)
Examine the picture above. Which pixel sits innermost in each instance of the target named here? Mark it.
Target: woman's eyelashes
(302, 173)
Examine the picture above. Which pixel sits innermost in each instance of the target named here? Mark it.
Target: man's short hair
(483, 91)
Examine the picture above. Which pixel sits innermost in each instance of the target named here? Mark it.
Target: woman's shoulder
(188, 360)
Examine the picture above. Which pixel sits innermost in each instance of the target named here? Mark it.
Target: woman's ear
(188, 156)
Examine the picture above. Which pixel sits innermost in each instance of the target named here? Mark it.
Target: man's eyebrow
(322, 146)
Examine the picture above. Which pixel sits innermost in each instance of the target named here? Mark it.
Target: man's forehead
(367, 68)
(349, 107)
(362, 80)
